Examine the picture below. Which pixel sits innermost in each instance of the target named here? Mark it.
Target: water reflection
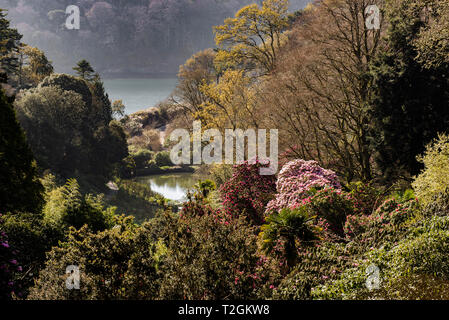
(171, 186)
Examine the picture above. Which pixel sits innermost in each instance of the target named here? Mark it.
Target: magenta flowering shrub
(295, 182)
(248, 192)
(366, 197)
(8, 266)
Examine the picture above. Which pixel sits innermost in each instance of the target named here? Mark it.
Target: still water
(171, 186)
(139, 94)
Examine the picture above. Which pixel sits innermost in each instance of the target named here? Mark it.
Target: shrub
(67, 207)
(433, 179)
(366, 197)
(31, 238)
(142, 158)
(286, 231)
(405, 266)
(387, 224)
(163, 159)
(120, 263)
(204, 188)
(317, 266)
(247, 192)
(8, 266)
(221, 173)
(208, 259)
(295, 181)
(332, 205)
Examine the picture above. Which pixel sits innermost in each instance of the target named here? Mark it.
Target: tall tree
(84, 70)
(20, 188)
(433, 41)
(9, 45)
(410, 104)
(253, 37)
(319, 94)
(34, 66)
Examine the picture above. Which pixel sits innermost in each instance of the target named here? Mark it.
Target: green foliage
(409, 107)
(84, 70)
(414, 268)
(204, 188)
(9, 39)
(69, 83)
(34, 66)
(142, 158)
(31, 238)
(67, 207)
(318, 265)
(163, 159)
(253, 37)
(366, 197)
(433, 179)
(208, 259)
(221, 173)
(66, 134)
(331, 205)
(290, 229)
(20, 189)
(432, 43)
(119, 263)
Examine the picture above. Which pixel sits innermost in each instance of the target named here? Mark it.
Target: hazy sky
(123, 37)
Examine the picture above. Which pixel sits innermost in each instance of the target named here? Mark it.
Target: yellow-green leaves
(253, 37)
(435, 176)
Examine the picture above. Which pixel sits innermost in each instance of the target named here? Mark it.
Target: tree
(410, 98)
(197, 71)
(70, 128)
(84, 70)
(230, 103)
(20, 188)
(9, 45)
(34, 66)
(53, 120)
(432, 42)
(252, 39)
(118, 108)
(320, 93)
(69, 83)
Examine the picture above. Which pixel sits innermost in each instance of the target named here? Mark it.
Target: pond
(172, 186)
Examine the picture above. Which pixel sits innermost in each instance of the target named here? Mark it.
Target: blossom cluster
(295, 181)
(248, 192)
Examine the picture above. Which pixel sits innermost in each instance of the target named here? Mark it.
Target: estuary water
(139, 94)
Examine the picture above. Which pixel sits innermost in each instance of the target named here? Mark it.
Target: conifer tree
(20, 188)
